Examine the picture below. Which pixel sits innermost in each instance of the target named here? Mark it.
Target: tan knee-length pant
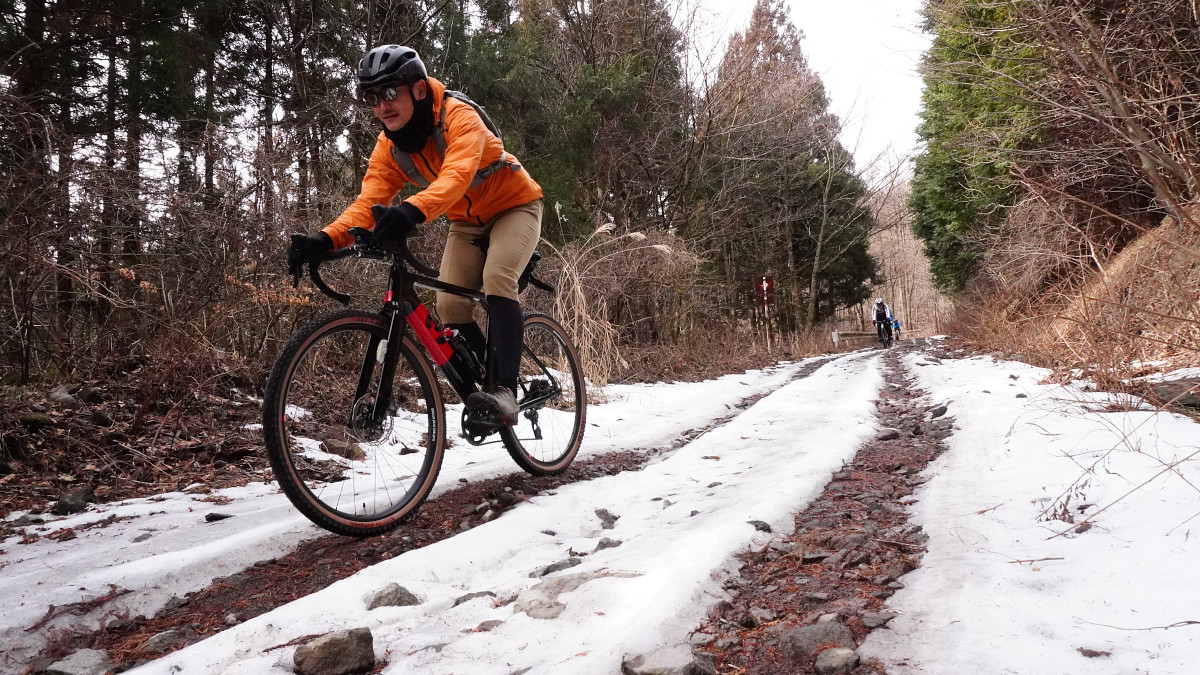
(512, 236)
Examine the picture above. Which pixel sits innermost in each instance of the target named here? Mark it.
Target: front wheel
(353, 461)
(553, 400)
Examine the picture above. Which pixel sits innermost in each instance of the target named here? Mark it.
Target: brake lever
(314, 273)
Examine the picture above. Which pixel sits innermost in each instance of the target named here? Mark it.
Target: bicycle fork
(379, 354)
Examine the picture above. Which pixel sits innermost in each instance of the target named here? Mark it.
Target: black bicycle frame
(401, 300)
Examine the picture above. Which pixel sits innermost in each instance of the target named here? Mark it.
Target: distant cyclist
(434, 139)
(883, 318)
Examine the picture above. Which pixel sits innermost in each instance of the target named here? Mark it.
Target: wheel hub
(363, 424)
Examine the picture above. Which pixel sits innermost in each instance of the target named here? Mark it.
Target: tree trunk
(267, 175)
(210, 127)
(66, 227)
(129, 220)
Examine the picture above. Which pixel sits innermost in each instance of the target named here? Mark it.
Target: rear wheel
(351, 464)
(553, 400)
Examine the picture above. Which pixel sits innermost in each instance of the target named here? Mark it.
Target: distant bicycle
(883, 329)
(354, 418)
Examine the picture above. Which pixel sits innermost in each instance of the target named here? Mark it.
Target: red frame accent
(430, 334)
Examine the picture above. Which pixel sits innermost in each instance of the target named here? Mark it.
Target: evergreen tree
(782, 193)
(973, 119)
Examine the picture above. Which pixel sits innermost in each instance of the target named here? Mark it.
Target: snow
(975, 606)
(1180, 374)
(161, 547)
(997, 591)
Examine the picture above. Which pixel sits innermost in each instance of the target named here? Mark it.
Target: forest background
(1056, 190)
(157, 155)
(154, 156)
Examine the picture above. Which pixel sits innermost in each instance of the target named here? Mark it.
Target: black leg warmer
(505, 330)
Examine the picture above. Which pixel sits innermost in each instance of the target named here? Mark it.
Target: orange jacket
(469, 149)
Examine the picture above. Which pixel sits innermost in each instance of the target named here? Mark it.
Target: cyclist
(440, 144)
(883, 317)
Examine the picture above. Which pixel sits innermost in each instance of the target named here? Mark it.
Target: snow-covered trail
(681, 520)
(160, 547)
(998, 591)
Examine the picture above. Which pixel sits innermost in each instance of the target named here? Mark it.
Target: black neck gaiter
(411, 137)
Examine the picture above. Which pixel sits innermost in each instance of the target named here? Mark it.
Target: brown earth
(317, 563)
(850, 550)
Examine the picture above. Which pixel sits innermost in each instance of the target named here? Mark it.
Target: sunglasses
(374, 97)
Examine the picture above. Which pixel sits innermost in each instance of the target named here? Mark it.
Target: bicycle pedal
(494, 418)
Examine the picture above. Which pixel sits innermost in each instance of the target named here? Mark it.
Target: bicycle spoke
(553, 401)
(349, 464)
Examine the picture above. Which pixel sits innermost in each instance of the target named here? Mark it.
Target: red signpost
(764, 290)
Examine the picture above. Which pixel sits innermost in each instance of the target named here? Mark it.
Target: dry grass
(639, 307)
(1139, 312)
(618, 290)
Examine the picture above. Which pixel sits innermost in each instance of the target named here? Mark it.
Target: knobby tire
(345, 466)
(547, 436)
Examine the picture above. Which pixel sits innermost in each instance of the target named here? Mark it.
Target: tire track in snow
(205, 608)
(681, 519)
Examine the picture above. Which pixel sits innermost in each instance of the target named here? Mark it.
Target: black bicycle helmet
(390, 64)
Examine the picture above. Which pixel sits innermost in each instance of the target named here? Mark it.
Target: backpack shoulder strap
(487, 120)
(405, 161)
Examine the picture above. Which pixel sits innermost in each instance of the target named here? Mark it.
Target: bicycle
(883, 328)
(354, 418)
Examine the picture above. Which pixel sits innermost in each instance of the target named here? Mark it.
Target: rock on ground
(877, 619)
(64, 399)
(605, 542)
(163, 642)
(83, 662)
(1179, 391)
(394, 595)
(676, 660)
(73, 502)
(350, 451)
(340, 653)
(888, 434)
(607, 519)
(555, 567)
(799, 644)
(836, 661)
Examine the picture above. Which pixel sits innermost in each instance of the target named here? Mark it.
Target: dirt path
(319, 562)
(849, 553)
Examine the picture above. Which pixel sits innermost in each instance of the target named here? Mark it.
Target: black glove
(393, 223)
(306, 247)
